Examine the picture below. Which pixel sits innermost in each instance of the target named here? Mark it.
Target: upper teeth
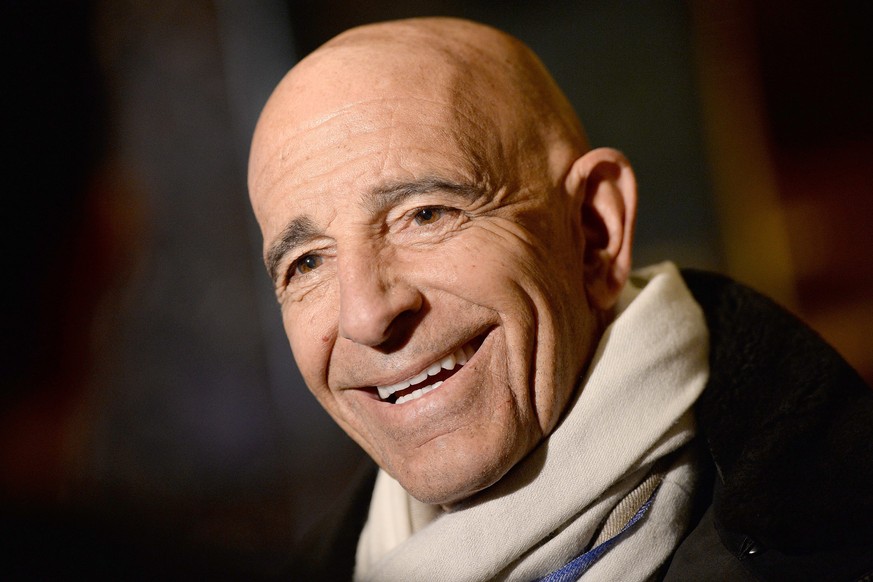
(460, 357)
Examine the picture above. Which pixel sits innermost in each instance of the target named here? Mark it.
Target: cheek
(311, 337)
(477, 267)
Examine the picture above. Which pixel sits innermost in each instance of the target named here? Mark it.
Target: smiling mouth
(429, 379)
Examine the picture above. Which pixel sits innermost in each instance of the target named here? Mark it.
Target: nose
(373, 296)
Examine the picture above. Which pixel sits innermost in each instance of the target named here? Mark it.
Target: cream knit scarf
(633, 409)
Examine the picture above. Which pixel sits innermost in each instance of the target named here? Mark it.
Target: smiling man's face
(428, 263)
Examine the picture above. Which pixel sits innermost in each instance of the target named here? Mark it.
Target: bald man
(453, 266)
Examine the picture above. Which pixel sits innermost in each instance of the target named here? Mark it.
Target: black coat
(788, 478)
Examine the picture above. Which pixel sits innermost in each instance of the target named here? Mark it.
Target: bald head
(500, 98)
(481, 69)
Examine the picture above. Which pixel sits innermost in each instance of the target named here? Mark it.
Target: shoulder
(789, 427)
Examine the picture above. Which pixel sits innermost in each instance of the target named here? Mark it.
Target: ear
(605, 191)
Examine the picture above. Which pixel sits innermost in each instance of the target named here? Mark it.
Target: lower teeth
(418, 393)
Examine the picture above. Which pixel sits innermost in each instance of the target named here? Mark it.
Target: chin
(448, 494)
(448, 486)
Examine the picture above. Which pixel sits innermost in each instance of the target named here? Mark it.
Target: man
(452, 263)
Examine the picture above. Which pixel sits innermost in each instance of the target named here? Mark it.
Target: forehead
(379, 135)
(322, 149)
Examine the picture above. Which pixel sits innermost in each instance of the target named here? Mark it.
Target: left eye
(428, 216)
(307, 263)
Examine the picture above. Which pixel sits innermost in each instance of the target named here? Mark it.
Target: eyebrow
(388, 195)
(302, 229)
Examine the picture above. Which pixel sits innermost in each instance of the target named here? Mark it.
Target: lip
(412, 371)
(471, 347)
(432, 376)
(459, 402)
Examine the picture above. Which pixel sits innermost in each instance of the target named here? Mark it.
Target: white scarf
(633, 409)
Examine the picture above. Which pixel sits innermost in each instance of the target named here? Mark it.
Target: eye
(427, 216)
(307, 263)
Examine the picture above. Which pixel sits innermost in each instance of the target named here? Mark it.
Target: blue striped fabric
(578, 566)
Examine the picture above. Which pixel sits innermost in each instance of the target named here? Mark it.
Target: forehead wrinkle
(366, 116)
(300, 230)
(286, 167)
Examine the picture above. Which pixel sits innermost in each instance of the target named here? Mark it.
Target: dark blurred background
(152, 420)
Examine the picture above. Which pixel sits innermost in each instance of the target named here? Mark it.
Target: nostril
(378, 316)
(399, 332)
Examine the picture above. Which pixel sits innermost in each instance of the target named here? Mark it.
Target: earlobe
(605, 189)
